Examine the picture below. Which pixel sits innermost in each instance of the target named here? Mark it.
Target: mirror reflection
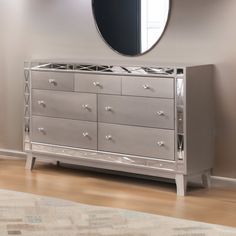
(131, 27)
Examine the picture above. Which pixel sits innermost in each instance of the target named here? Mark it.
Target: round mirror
(131, 27)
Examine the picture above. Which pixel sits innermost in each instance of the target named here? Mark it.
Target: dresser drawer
(92, 83)
(64, 105)
(60, 81)
(156, 143)
(140, 111)
(64, 132)
(148, 87)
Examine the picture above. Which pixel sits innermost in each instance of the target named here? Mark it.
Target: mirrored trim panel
(106, 69)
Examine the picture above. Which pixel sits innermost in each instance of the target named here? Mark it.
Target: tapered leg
(206, 179)
(181, 184)
(54, 162)
(30, 161)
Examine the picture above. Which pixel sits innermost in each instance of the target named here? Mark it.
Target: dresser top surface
(104, 69)
(163, 70)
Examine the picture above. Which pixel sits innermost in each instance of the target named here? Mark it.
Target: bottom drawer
(150, 142)
(65, 132)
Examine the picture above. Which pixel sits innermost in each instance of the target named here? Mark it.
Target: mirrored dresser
(151, 121)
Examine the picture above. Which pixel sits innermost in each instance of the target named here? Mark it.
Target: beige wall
(199, 31)
(12, 54)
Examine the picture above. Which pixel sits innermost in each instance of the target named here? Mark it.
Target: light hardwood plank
(217, 205)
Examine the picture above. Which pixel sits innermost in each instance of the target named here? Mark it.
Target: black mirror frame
(140, 54)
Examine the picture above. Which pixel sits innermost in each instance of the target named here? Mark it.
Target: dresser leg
(30, 161)
(181, 184)
(206, 179)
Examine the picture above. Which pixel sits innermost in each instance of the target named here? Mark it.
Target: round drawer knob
(86, 106)
(85, 134)
(146, 86)
(52, 81)
(160, 143)
(42, 130)
(42, 103)
(96, 84)
(108, 108)
(108, 137)
(160, 113)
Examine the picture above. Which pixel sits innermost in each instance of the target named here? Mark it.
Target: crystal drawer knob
(96, 84)
(86, 134)
(40, 129)
(146, 86)
(52, 81)
(86, 106)
(108, 137)
(108, 108)
(42, 103)
(160, 143)
(160, 113)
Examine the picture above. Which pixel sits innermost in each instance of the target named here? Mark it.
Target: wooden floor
(217, 205)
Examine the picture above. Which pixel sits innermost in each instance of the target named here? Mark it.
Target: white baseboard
(13, 153)
(219, 181)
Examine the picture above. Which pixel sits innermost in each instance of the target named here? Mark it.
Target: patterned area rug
(33, 215)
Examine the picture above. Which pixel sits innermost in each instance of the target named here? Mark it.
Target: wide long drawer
(60, 81)
(150, 142)
(140, 111)
(148, 87)
(64, 132)
(92, 83)
(64, 105)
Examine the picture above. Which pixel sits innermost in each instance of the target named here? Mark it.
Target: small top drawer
(92, 83)
(148, 87)
(60, 81)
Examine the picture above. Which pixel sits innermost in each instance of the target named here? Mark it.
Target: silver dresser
(153, 121)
